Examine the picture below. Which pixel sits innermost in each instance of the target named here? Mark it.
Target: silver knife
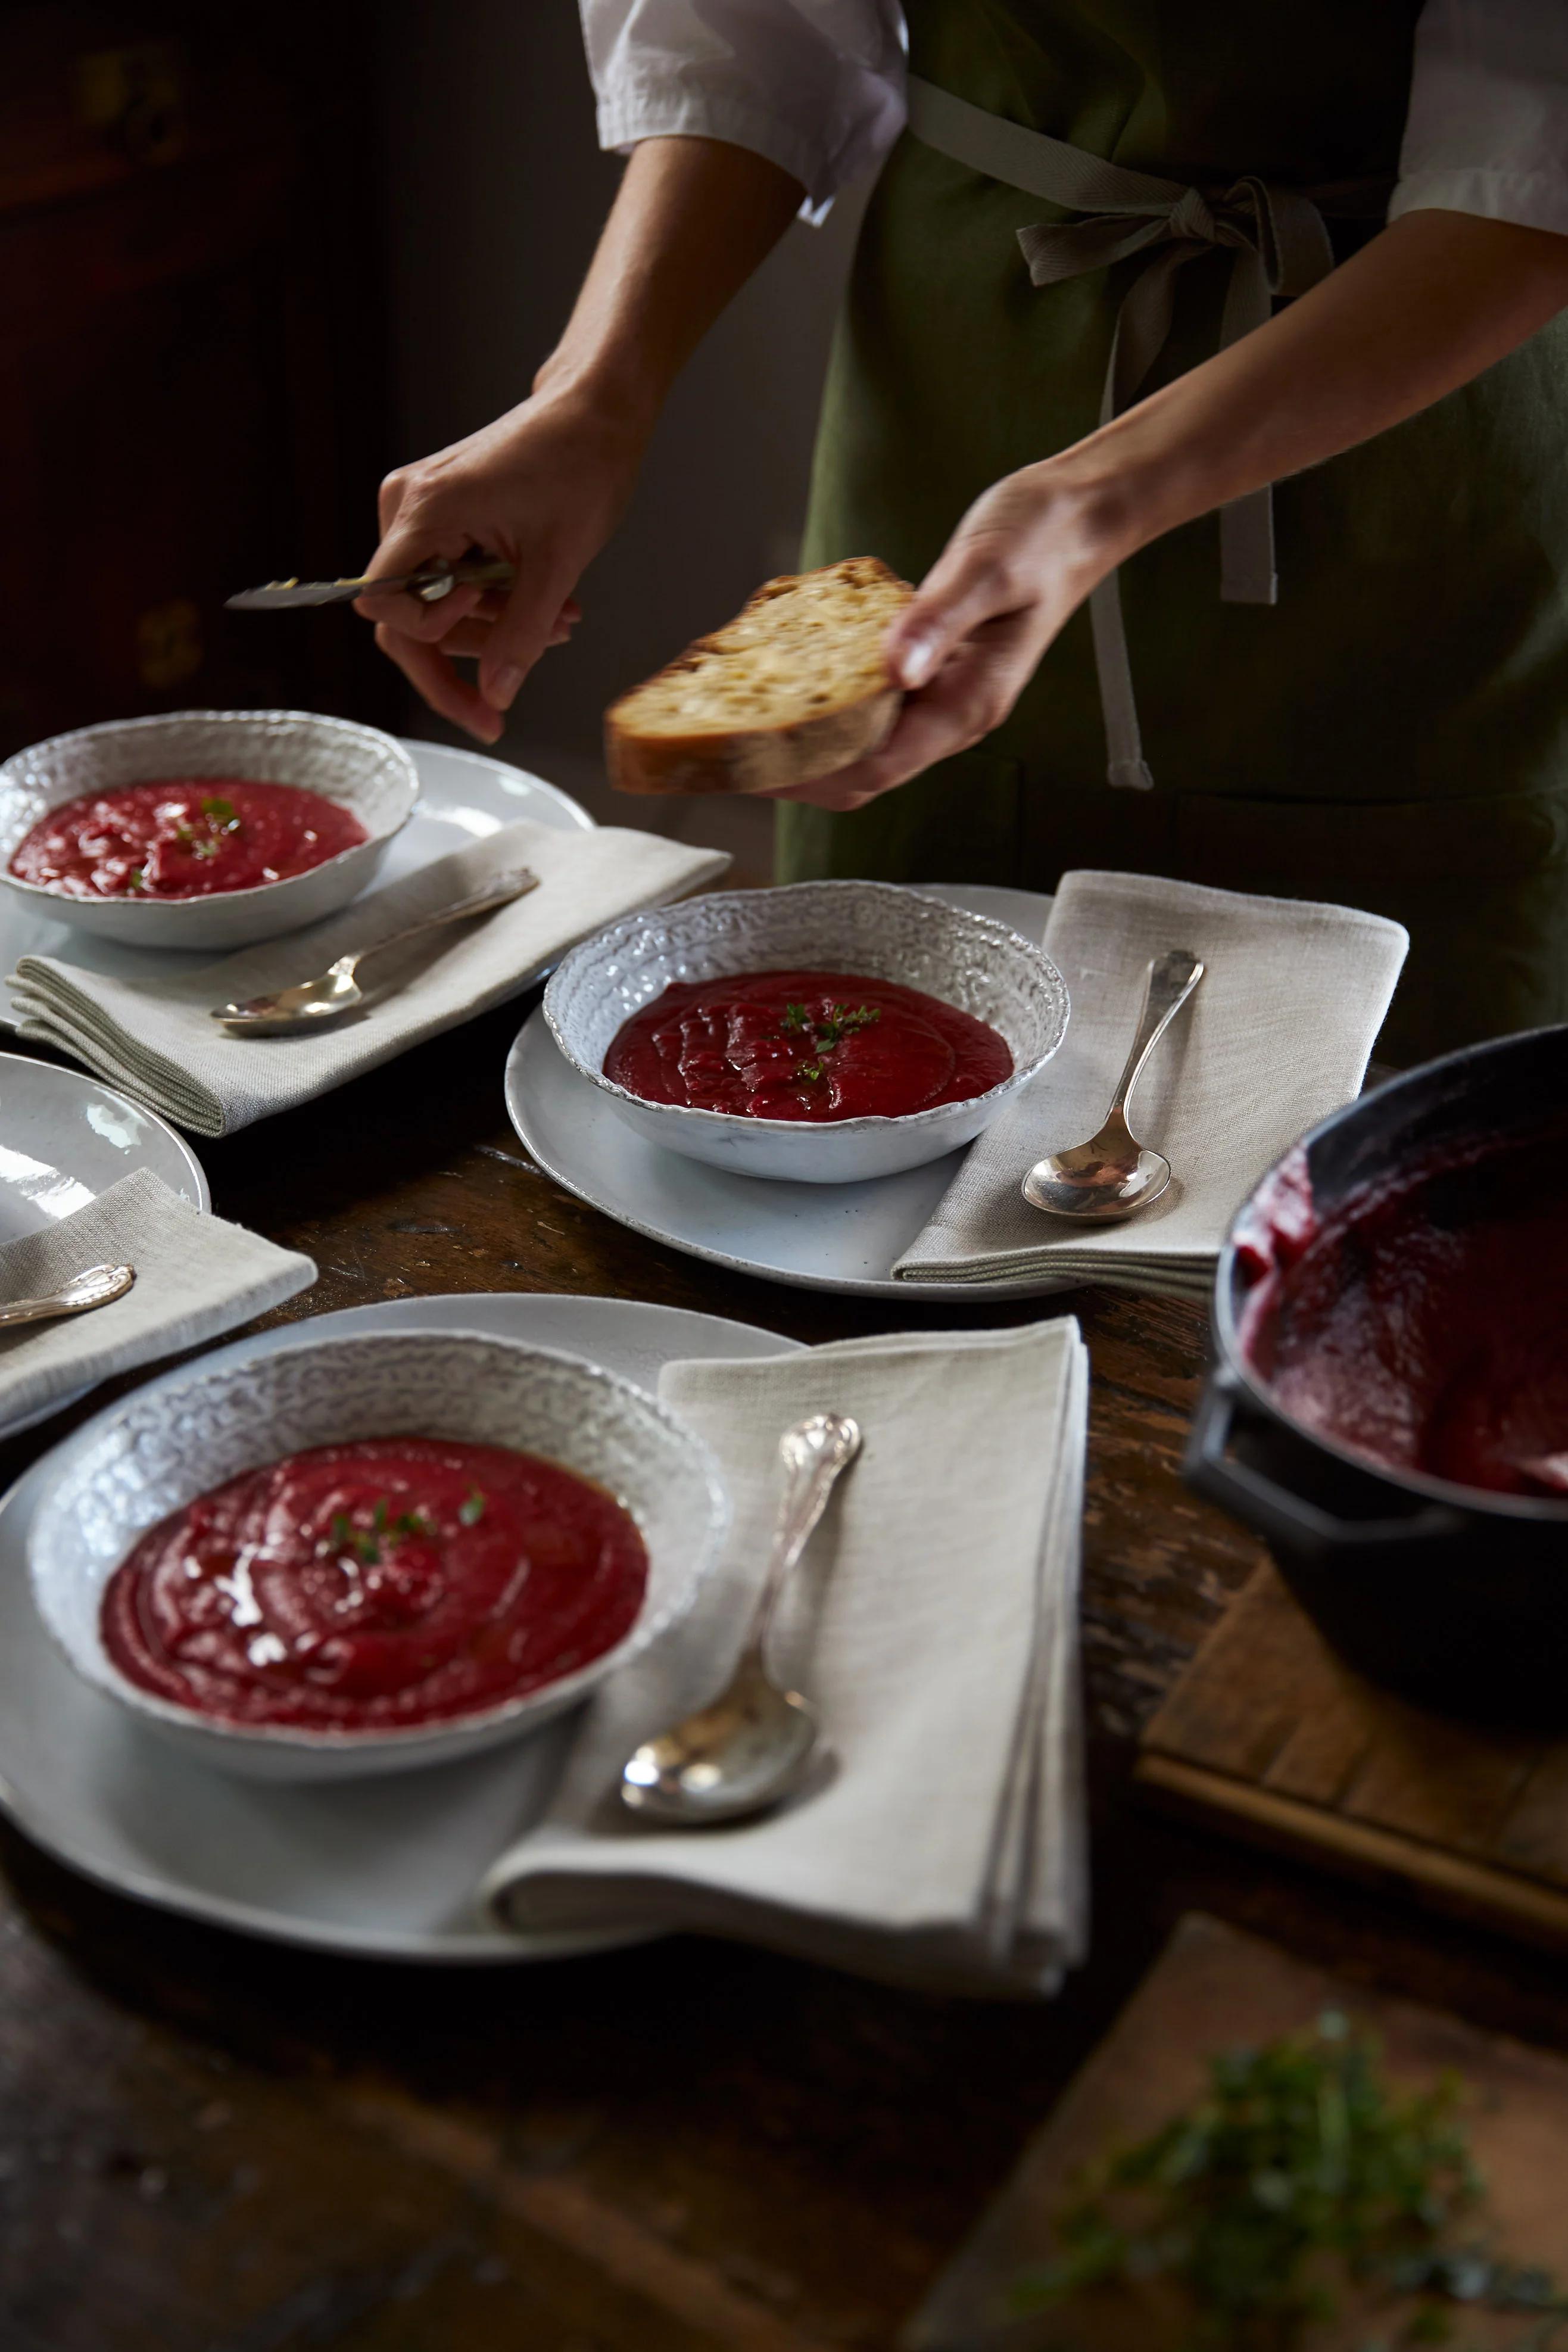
(431, 582)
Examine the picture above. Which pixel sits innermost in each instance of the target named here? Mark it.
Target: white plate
(842, 1237)
(378, 1867)
(463, 797)
(64, 1138)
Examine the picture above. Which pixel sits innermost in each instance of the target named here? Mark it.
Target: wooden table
(212, 2145)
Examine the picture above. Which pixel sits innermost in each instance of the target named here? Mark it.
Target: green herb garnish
(471, 1510)
(840, 1023)
(221, 819)
(843, 1023)
(1297, 2175)
(365, 1543)
(137, 878)
(349, 1537)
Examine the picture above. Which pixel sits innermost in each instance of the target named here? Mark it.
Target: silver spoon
(310, 1002)
(752, 1743)
(1114, 1175)
(94, 1287)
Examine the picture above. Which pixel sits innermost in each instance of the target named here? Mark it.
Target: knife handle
(436, 580)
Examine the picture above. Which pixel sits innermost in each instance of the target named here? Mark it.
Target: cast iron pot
(1455, 1597)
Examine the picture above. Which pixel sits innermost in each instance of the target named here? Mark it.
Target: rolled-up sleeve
(1487, 127)
(817, 86)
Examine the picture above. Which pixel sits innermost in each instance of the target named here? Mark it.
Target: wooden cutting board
(1267, 1734)
(1212, 1990)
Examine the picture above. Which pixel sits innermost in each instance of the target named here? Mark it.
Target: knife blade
(430, 581)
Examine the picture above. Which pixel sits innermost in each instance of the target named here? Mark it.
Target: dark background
(252, 257)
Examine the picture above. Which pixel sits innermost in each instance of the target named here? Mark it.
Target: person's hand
(543, 486)
(1022, 560)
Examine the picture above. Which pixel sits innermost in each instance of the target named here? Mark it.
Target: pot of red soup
(1388, 1403)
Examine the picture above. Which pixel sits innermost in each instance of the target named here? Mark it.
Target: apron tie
(1279, 245)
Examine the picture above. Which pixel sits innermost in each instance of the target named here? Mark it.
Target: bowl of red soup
(202, 829)
(365, 1555)
(825, 1032)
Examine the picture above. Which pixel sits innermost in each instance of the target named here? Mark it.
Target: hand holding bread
(840, 684)
(796, 688)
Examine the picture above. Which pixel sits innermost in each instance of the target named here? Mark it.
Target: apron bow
(1279, 245)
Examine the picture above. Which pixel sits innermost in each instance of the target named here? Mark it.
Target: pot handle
(1280, 1515)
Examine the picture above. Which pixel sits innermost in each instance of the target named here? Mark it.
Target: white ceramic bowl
(870, 927)
(159, 1451)
(357, 767)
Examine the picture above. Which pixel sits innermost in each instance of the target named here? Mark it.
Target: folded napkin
(932, 1623)
(195, 1276)
(155, 1038)
(1276, 1037)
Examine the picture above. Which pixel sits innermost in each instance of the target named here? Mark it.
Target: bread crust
(760, 759)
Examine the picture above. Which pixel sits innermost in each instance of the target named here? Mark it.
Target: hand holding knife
(426, 635)
(429, 582)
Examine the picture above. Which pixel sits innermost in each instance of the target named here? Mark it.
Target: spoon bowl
(751, 1747)
(1114, 1175)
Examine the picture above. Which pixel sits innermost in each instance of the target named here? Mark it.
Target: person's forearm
(545, 485)
(1424, 307)
(1428, 304)
(694, 218)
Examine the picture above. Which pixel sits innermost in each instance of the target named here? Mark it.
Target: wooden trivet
(1267, 1736)
(1214, 1988)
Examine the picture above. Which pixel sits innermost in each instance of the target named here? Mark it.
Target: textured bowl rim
(871, 1122)
(49, 895)
(302, 1739)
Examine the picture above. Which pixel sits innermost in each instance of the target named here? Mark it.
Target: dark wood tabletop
(209, 2144)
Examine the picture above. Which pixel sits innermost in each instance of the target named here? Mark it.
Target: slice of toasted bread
(793, 689)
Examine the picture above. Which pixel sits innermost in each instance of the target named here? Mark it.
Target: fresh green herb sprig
(1298, 2173)
(471, 1510)
(822, 1035)
(366, 1543)
(843, 1023)
(221, 818)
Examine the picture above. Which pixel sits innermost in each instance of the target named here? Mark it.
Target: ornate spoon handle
(813, 1453)
(1170, 981)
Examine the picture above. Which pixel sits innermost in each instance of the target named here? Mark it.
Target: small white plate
(64, 1138)
(463, 797)
(843, 1237)
(384, 1868)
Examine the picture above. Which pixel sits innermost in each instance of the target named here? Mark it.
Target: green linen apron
(1392, 733)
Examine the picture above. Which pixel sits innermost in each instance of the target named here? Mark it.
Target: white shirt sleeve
(817, 86)
(1487, 127)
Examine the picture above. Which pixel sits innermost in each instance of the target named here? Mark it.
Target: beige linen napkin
(155, 1039)
(195, 1276)
(933, 1625)
(1276, 1037)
